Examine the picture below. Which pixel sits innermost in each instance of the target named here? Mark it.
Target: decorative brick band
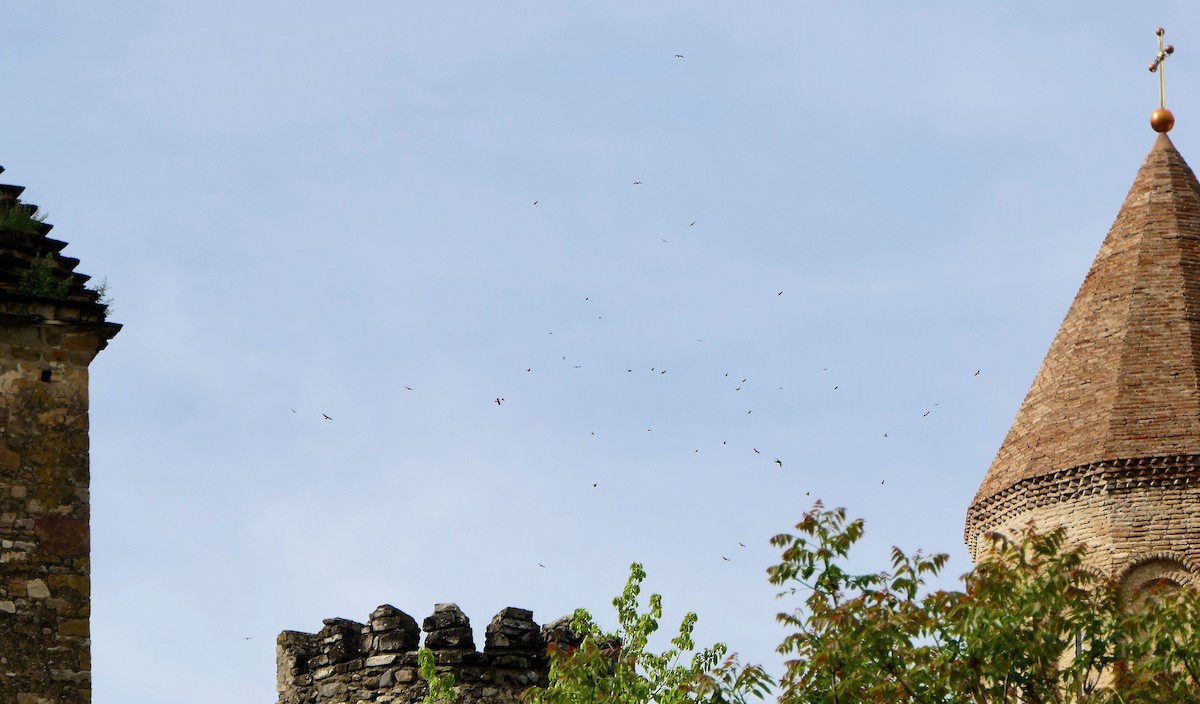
(1110, 477)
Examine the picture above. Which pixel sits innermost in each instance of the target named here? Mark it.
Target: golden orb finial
(1161, 119)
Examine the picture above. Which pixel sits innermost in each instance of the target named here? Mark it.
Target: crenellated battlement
(347, 661)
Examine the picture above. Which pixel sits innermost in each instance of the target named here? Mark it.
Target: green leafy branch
(440, 685)
(619, 667)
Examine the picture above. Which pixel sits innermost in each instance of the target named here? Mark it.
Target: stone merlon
(346, 659)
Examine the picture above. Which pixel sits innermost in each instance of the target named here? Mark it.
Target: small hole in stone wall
(45, 375)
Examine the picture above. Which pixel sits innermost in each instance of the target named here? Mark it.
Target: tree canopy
(1031, 624)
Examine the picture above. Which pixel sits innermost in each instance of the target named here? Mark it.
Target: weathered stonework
(377, 661)
(1106, 443)
(46, 344)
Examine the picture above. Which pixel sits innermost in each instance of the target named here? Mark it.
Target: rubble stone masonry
(46, 345)
(377, 661)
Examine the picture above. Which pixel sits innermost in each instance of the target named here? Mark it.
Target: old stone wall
(349, 662)
(44, 551)
(51, 327)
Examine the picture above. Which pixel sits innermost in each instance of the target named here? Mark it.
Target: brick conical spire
(1120, 385)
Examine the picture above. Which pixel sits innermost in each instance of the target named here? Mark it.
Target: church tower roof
(1106, 444)
(1122, 378)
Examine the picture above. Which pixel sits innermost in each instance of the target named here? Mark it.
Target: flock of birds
(500, 401)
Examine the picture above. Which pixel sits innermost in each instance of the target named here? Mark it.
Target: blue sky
(309, 207)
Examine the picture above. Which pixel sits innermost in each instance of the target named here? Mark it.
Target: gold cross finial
(1161, 119)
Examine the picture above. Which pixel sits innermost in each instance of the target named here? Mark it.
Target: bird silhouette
(725, 558)
(977, 372)
(778, 462)
(637, 183)
(498, 400)
(693, 223)
(326, 417)
(535, 202)
(679, 56)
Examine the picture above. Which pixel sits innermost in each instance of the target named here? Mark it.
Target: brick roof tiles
(1122, 378)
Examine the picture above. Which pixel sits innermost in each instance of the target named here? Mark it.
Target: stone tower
(51, 326)
(1107, 441)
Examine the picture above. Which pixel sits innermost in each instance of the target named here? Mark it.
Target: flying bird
(976, 372)
(925, 414)
(693, 223)
(326, 417)
(535, 202)
(778, 462)
(756, 451)
(679, 56)
(637, 183)
(498, 400)
(725, 558)
(742, 544)
(409, 388)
